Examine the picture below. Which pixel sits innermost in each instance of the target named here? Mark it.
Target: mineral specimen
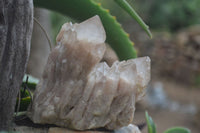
(79, 92)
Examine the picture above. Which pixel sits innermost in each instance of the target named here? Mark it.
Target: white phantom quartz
(80, 92)
(128, 129)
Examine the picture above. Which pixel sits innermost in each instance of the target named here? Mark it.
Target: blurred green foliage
(170, 15)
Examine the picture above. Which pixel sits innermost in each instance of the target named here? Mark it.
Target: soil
(164, 118)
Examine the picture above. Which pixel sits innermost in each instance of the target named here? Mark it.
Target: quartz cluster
(80, 92)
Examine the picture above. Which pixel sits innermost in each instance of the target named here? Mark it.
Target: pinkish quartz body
(79, 92)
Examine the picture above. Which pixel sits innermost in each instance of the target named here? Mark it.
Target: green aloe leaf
(151, 125)
(177, 130)
(24, 103)
(81, 10)
(125, 5)
(32, 82)
(25, 98)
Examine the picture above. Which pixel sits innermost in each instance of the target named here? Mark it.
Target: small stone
(128, 129)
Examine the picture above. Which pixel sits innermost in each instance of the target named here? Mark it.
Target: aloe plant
(80, 10)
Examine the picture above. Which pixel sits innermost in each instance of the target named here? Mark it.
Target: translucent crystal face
(91, 31)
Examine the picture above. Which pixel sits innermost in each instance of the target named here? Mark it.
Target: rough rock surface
(79, 92)
(25, 129)
(64, 130)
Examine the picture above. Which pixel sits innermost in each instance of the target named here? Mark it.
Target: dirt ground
(165, 118)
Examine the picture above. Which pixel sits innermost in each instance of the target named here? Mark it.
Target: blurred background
(173, 96)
